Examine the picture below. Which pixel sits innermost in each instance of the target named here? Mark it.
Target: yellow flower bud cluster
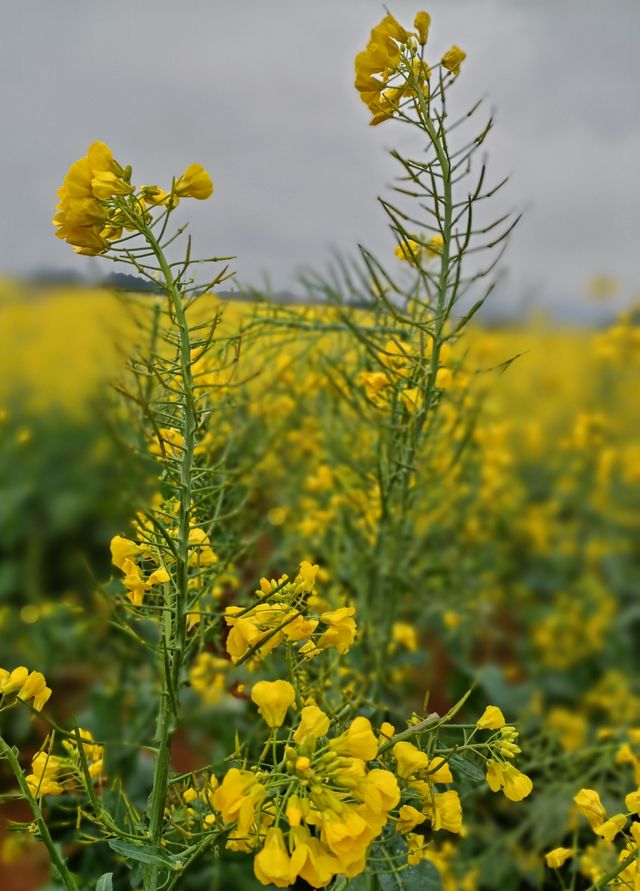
(97, 200)
(416, 252)
(45, 775)
(501, 775)
(92, 753)
(402, 365)
(335, 804)
(392, 68)
(126, 554)
(25, 685)
(53, 774)
(281, 615)
(420, 776)
(83, 216)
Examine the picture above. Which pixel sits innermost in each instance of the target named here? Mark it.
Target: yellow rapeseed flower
(452, 59)
(273, 698)
(195, 182)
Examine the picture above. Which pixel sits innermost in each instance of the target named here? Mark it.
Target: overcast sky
(260, 92)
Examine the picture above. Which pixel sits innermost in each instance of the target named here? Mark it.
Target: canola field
(515, 567)
(332, 595)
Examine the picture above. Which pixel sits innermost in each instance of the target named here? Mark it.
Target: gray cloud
(260, 92)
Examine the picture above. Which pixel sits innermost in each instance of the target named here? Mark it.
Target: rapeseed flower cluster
(283, 615)
(98, 200)
(392, 68)
(22, 685)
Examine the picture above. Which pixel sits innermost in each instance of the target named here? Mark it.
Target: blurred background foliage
(523, 568)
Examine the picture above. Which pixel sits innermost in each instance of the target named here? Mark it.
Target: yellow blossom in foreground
(439, 771)
(341, 631)
(12, 681)
(313, 724)
(237, 797)
(408, 818)
(272, 865)
(589, 804)
(421, 23)
(358, 740)
(82, 218)
(310, 860)
(123, 549)
(445, 811)
(610, 828)
(515, 784)
(26, 685)
(43, 779)
(452, 59)
(409, 758)
(491, 719)
(195, 182)
(273, 698)
(632, 802)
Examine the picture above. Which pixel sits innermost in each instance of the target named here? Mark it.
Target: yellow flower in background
(200, 548)
(405, 634)
(409, 251)
(444, 378)
(452, 59)
(412, 399)
(558, 857)
(208, 677)
(195, 182)
(273, 699)
(374, 382)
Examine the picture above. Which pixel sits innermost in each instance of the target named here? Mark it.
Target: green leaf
(463, 769)
(105, 882)
(142, 853)
(421, 877)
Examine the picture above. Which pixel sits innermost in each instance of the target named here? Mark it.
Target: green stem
(67, 878)
(174, 626)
